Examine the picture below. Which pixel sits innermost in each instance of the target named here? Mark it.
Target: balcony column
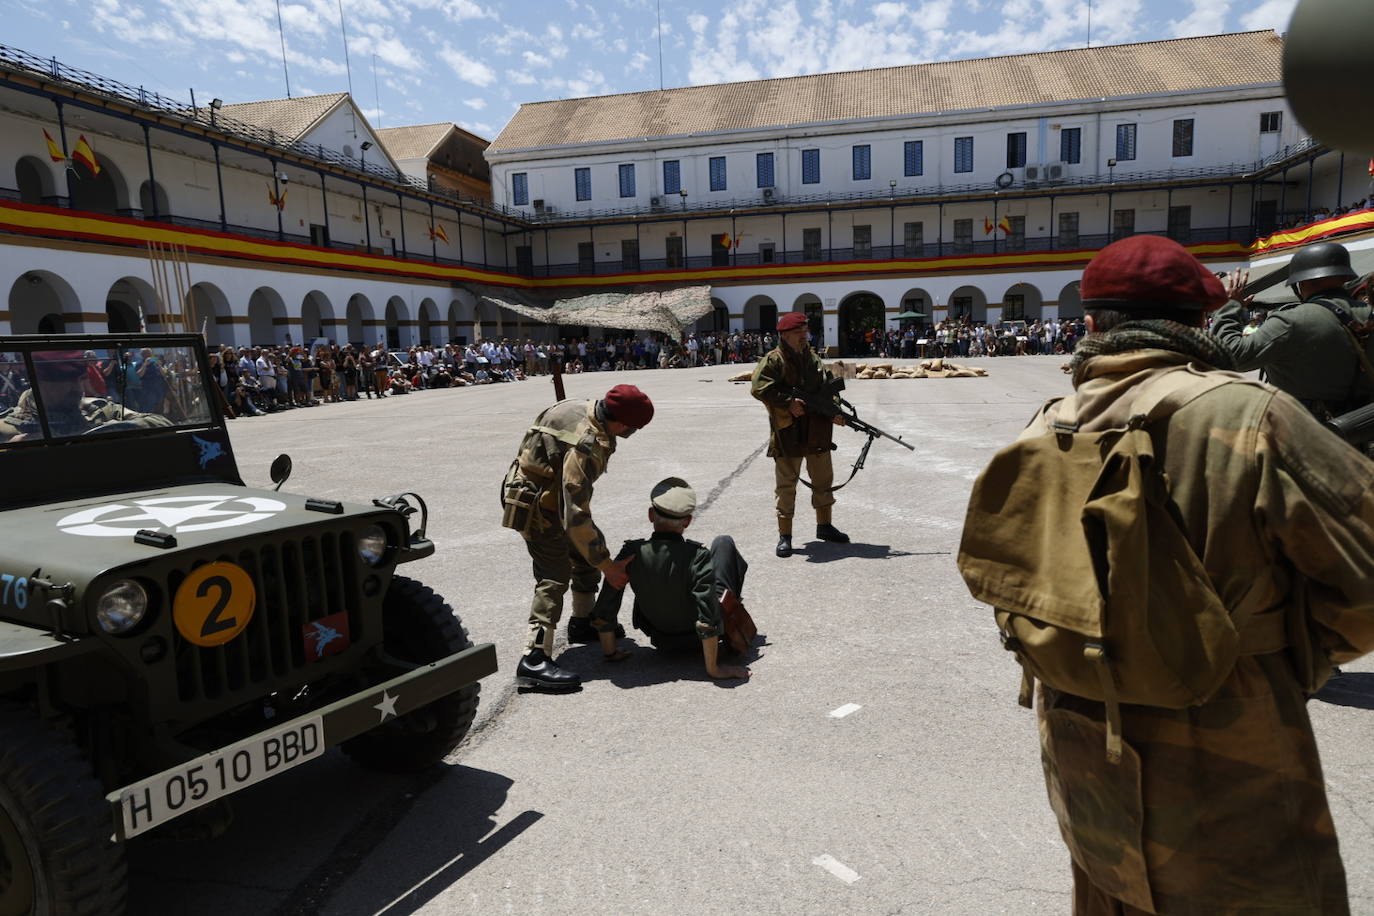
(433, 237)
(548, 256)
(462, 259)
(219, 183)
(324, 200)
(276, 193)
(1054, 231)
(367, 222)
(829, 232)
(401, 208)
(152, 182)
(1311, 166)
(734, 241)
(784, 237)
(69, 173)
(1340, 180)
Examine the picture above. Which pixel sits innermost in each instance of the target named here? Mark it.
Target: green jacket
(674, 585)
(790, 436)
(1303, 349)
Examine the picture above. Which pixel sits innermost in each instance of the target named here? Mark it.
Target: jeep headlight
(372, 545)
(121, 606)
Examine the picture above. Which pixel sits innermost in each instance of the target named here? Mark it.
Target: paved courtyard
(655, 790)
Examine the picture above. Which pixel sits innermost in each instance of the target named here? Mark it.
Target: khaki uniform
(22, 418)
(794, 440)
(1221, 808)
(564, 543)
(1304, 350)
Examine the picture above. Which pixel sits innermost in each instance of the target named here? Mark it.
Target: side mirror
(281, 469)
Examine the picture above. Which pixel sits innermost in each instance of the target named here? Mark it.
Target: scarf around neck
(1150, 334)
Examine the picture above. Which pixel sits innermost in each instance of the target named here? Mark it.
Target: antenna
(1090, 23)
(282, 32)
(658, 8)
(376, 93)
(344, 31)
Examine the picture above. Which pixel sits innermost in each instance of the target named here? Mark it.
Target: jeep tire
(56, 851)
(419, 627)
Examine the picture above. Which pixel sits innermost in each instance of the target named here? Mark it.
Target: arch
(487, 321)
(810, 305)
(152, 198)
(917, 299)
(460, 315)
(968, 302)
(208, 306)
(1070, 301)
(131, 305)
(761, 313)
(358, 317)
(717, 319)
(397, 311)
(39, 302)
(106, 192)
(265, 308)
(34, 179)
(317, 316)
(431, 329)
(1022, 301)
(860, 313)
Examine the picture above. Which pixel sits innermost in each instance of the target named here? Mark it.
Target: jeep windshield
(48, 393)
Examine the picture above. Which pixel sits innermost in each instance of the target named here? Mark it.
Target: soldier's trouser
(557, 564)
(821, 473)
(1089, 900)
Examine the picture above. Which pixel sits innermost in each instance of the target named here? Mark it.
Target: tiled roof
(289, 118)
(415, 142)
(1177, 65)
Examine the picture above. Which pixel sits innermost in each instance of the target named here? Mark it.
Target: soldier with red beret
(547, 497)
(1217, 807)
(796, 436)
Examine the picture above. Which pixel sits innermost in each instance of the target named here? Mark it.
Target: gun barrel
(1355, 427)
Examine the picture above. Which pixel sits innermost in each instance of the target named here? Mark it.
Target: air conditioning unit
(656, 203)
(1054, 173)
(550, 211)
(539, 205)
(1033, 173)
(769, 194)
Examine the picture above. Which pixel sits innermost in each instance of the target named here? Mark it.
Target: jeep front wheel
(418, 627)
(56, 852)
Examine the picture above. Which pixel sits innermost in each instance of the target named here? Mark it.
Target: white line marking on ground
(845, 710)
(836, 868)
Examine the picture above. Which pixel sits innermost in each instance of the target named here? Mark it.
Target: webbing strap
(562, 435)
(1095, 654)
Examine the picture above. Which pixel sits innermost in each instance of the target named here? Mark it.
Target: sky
(474, 62)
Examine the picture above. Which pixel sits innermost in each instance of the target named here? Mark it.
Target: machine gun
(1355, 427)
(827, 403)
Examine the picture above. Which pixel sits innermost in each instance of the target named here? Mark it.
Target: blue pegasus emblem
(209, 451)
(324, 635)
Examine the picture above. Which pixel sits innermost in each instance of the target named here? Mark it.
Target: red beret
(790, 321)
(51, 365)
(627, 404)
(1148, 271)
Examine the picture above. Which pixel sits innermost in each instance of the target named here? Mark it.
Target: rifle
(827, 403)
(1355, 427)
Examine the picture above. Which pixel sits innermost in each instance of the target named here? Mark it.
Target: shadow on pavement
(1355, 689)
(297, 839)
(648, 666)
(829, 551)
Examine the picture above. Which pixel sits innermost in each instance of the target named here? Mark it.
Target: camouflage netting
(643, 308)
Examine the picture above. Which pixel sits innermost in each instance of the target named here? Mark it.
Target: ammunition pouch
(520, 502)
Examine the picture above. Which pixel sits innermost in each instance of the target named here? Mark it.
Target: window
(672, 176)
(1125, 142)
(520, 189)
(767, 254)
(912, 239)
(1071, 145)
(863, 242)
(863, 163)
(963, 154)
(811, 244)
(963, 235)
(717, 166)
(1013, 307)
(586, 258)
(1183, 138)
(627, 181)
(1068, 230)
(913, 158)
(629, 254)
(1016, 238)
(763, 166)
(1016, 150)
(1271, 122)
(1123, 224)
(811, 166)
(1180, 223)
(674, 250)
(582, 183)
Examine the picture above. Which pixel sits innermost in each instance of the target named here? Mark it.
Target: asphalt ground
(655, 790)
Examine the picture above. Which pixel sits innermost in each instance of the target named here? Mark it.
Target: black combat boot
(829, 532)
(537, 670)
(784, 548)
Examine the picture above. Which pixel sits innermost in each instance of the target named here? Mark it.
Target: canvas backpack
(1073, 539)
(536, 468)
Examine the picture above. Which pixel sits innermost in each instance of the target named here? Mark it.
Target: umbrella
(904, 316)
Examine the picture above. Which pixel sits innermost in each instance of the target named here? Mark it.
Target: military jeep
(169, 635)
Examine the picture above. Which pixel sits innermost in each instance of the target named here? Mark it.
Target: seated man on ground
(679, 585)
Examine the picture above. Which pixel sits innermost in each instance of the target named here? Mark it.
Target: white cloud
(1207, 17)
(520, 78)
(1271, 14)
(535, 60)
(468, 69)
(638, 62)
(476, 103)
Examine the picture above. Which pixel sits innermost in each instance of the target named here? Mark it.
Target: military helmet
(1324, 259)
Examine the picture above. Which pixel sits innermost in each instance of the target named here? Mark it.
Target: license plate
(171, 793)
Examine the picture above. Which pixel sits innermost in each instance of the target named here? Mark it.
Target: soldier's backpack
(1073, 539)
(536, 468)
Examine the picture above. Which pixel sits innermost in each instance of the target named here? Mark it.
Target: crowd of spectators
(963, 337)
(1298, 220)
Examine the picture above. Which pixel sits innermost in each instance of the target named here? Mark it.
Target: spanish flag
(437, 232)
(83, 154)
(275, 199)
(987, 226)
(1005, 225)
(54, 151)
(726, 241)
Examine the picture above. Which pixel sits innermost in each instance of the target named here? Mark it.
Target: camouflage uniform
(793, 440)
(1221, 808)
(1304, 350)
(565, 545)
(91, 413)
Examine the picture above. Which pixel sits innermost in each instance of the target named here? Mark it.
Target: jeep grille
(296, 582)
